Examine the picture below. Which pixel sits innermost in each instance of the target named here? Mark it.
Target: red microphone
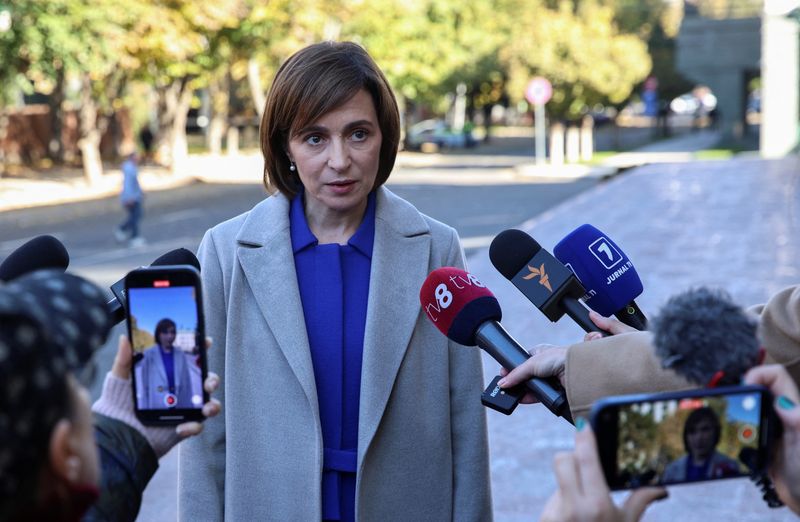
(464, 310)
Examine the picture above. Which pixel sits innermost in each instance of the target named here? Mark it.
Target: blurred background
(80, 78)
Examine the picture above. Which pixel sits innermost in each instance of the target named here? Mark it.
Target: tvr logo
(544, 279)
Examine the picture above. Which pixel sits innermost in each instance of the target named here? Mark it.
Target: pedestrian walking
(131, 198)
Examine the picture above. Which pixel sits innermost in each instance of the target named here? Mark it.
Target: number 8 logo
(443, 296)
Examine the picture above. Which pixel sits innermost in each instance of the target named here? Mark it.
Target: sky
(150, 305)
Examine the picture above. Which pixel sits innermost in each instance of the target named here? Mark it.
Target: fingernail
(580, 423)
(501, 382)
(785, 403)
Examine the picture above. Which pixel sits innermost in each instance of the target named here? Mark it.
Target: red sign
(539, 91)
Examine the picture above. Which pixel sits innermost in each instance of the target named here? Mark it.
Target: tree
(580, 50)
(60, 39)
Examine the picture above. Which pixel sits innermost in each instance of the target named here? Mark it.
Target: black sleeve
(127, 463)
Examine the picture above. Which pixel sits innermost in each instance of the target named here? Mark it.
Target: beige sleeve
(616, 365)
(623, 364)
(779, 329)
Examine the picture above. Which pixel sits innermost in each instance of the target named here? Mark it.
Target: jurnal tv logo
(544, 279)
(604, 251)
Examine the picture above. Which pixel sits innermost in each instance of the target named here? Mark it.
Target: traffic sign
(539, 91)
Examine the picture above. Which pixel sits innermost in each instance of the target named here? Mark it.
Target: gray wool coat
(422, 440)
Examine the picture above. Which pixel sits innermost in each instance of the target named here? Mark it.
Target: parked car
(436, 134)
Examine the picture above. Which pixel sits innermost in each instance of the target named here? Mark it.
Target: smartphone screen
(165, 324)
(702, 435)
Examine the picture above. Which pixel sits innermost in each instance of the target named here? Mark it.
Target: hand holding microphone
(543, 279)
(464, 310)
(605, 271)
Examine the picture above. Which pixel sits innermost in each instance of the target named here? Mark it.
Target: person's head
(165, 333)
(310, 85)
(701, 433)
(50, 325)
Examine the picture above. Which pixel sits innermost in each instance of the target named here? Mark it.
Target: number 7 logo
(604, 251)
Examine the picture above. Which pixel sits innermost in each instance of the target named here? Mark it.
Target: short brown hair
(312, 82)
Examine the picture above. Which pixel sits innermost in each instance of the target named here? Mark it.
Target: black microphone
(706, 338)
(542, 278)
(464, 310)
(116, 306)
(40, 253)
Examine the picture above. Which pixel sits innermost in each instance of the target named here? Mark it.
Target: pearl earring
(292, 166)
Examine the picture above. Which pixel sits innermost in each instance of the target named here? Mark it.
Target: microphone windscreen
(179, 256)
(41, 252)
(702, 331)
(457, 303)
(609, 277)
(511, 250)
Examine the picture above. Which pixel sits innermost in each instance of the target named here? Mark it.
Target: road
(176, 218)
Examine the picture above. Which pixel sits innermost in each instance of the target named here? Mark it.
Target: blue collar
(302, 237)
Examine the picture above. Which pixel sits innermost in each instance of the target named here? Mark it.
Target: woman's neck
(330, 226)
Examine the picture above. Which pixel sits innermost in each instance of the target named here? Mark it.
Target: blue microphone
(605, 271)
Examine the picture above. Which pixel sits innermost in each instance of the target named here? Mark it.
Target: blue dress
(334, 286)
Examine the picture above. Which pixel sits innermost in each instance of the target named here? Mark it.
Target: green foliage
(580, 50)
(591, 50)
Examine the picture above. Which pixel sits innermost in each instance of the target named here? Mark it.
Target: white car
(435, 132)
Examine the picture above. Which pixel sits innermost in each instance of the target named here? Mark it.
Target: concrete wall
(722, 54)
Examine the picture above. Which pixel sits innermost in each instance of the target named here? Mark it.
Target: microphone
(40, 253)
(706, 338)
(116, 306)
(464, 310)
(605, 271)
(547, 283)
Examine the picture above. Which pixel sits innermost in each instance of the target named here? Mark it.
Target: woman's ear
(64, 462)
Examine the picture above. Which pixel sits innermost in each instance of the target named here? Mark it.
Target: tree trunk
(4, 121)
(89, 135)
(219, 91)
(170, 142)
(256, 89)
(55, 148)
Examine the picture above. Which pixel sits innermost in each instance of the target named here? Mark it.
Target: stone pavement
(734, 224)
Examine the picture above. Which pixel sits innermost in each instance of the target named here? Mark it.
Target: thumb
(123, 360)
(637, 502)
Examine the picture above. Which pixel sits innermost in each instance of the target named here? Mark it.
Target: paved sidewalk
(733, 224)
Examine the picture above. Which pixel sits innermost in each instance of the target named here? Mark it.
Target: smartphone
(680, 437)
(166, 327)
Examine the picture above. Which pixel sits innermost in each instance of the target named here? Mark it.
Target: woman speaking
(341, 401)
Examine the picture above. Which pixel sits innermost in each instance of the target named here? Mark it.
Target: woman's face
(700, 438)
(337, 158)
(166, 337)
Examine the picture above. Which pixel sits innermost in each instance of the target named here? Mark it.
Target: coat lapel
(399, 267)
(265, 254)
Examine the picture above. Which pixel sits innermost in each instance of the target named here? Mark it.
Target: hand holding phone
(785, 467)
(167, 332)
(680, 437)
(582, 490)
